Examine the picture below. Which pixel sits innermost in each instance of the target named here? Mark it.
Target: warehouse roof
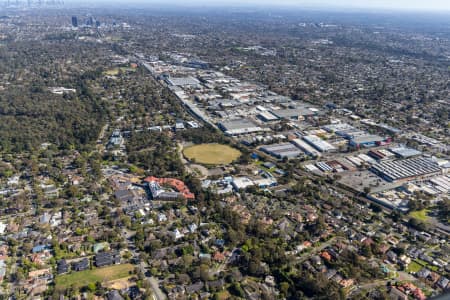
(239, 126)
(293, 113)
(370, 138)
(318, 143)
(405, 168)
(305, 147)
(282, 150)
(405, 152)
(180, 81)
(267, 116)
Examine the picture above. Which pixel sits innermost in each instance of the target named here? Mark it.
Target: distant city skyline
(407, 5)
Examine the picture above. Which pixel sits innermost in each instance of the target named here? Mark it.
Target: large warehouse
(406, 169)
(182, 81)
(239, 126)
(369, 140)
(294, 113)
(405, 152)
(344, 130)
(306, 148)
(319, 144)
(284, 150)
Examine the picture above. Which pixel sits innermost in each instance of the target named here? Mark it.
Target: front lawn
(83, 278)
(413, 267)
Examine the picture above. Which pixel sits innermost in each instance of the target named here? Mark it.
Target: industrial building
(294, 114)
(238, 127)
(267, 116)
(403, 152)
(319, 144)
(441, 183)
(344, 130)
(182, 81)
(311, 168)
(309, 150)
(369, 140)
(381, 154)
(324, 167)
(355, 160)
(358, 138)
(406, 169)
(366, 158)
(283, 150)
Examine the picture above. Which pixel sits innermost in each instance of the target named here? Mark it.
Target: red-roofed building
(325, 255)
(413, 290)
(347, 283)
(307, 244)
(367, 241)
(176, 184)
(220, 257)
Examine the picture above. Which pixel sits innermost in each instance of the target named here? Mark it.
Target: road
(226, 262)
(158, 294)
(402, 276)
(191, 108)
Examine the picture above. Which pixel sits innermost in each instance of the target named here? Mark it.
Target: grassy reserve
(116, 71)
(421, 215)
(83, 278)
(211, 154)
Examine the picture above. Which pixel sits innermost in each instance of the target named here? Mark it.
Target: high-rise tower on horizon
(74, 21)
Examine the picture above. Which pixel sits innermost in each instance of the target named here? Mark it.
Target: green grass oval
(211, 154)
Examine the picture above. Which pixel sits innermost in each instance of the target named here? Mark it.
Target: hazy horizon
(400, 5)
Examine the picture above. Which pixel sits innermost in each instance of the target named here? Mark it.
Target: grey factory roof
(411, 167)
(405, 152)
(306, 147)
(282, 150)
(318, 143)
(338, 127)
(267, 116)
(370, 138)
(293, 113)
(239, 126)
(180, 81)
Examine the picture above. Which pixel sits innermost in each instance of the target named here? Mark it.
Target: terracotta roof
(218, 256)
(177, 184)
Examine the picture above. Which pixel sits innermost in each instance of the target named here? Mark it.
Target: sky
(421, 5)
(386, 4)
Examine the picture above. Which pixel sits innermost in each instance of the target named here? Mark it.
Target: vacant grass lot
(211, 154)
(83, 278)
(421, 215)
(115, 71)
(414, 267)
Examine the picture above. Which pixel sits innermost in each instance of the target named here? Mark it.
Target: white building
(2, 228)
(242, 183)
